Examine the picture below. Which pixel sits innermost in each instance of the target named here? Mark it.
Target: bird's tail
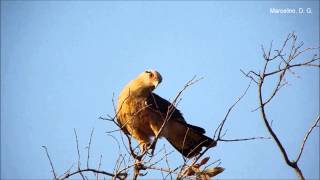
(188, 139)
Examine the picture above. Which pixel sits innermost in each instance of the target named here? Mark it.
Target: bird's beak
(155, 84)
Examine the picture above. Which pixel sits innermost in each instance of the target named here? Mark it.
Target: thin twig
(167, 161)
(97, 174)
(306, 138)
(220, 127)
(51, 164)
(88, 155)
(80, 172)
(244, 139)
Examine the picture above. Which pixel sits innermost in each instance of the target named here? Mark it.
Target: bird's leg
(143, 140)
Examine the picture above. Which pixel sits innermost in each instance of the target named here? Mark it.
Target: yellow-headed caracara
(141, 113)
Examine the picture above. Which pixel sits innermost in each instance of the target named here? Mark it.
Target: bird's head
(150, 79)
(145, 83)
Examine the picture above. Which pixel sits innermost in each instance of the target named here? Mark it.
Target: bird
(141, 113)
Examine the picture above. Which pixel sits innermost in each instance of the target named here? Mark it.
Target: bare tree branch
(244, 139)
(294, 52)
(51, 164)
(217, 133)
(88, 154)
(306, 138)
(99, 165)
(79, 169)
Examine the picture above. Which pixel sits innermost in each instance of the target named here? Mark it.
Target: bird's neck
(137, 90)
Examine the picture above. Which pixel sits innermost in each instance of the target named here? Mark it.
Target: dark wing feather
(160, 105)
(187, 139)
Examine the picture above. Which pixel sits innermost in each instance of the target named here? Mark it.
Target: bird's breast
(137, 116)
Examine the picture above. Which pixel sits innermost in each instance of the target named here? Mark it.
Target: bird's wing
(164, 107)
(167, 110)
(186, 138)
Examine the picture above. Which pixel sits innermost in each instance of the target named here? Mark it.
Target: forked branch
(286, 62)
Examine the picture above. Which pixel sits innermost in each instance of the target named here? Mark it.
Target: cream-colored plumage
(141, 113)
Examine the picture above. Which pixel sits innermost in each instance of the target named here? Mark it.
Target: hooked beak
(155, 84)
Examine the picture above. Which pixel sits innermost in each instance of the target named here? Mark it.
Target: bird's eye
(150, 73)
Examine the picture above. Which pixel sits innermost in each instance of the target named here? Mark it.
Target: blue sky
(61, 62)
